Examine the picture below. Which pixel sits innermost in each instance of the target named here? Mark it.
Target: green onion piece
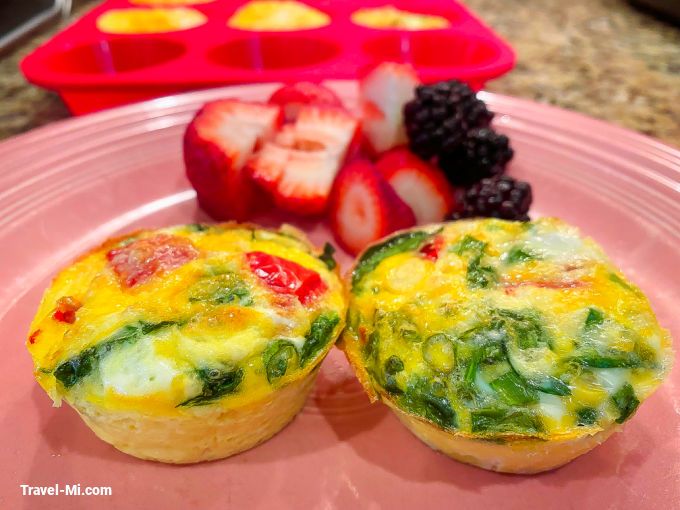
(518, 254)
(626, 402)
(327, 256)
(594, 318)
(614, 359)
(586, 416)
(429, 400)
(468, 244)
(392, 367)
(439, 352)
(318, 336)
(505, 420)
(216, 384)
(400, 243)
(549, 384)
(513, 390)
(277, 357)
(480, 276)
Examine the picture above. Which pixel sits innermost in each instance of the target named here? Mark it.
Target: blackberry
(482, 153)
(440, 116)
(496, 197)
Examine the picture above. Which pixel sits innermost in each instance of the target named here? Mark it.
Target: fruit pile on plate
(414, 154)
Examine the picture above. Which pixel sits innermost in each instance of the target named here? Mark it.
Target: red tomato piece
(66, 309)
(286, 277)
(34, 336)
(431, 249)
(138, 261)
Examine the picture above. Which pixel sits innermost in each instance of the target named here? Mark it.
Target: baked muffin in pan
(160, 20)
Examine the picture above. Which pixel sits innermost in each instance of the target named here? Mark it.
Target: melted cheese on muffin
(389, 16)
(177, 318)
(149, 21)
(277, 15)
(495, 329)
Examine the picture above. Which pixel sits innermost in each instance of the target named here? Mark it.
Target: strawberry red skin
(293, 96)
(362, 198)
(399, 161)
(223, 191)
(369, 113)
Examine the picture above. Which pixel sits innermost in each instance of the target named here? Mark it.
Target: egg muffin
(277, 15)
(512, 346)
(137, 20)
(389, 17)
(189, 343)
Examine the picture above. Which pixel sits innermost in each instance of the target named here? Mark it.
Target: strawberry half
(364, 207)
(291, 98)
(217, 143)
(383, 94)
(298, 167)
(423, 187)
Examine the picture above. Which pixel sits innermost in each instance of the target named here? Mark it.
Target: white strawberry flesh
(383, 94)
(299, 165)
(423, 187)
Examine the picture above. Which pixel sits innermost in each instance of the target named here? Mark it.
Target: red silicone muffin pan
(92, 70)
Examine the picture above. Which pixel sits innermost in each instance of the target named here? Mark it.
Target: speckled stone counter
(600, 57)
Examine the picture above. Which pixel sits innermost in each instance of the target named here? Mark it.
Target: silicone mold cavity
(115, 56)
(431, 49)
(262, 53)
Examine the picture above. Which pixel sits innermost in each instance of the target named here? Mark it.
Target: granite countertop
(603, 58)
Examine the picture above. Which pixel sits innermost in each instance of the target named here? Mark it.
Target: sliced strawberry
(286, 277)
(298, 180)
(217, 143)
(364, 207)
(334, 127)
(137, 262)
(383, 93)
(423, 187)
(298, 167)
(291, 98)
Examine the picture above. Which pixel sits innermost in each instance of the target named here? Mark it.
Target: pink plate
(66, 187)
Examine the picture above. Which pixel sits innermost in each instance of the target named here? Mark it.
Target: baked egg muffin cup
(189, 343)
(514, 347)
